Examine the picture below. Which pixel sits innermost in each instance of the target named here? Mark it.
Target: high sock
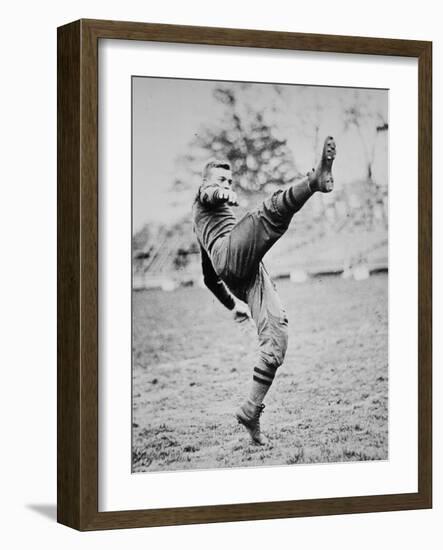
(262, 379)
(294, 197)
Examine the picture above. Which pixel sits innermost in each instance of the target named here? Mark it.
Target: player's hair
(214, 164)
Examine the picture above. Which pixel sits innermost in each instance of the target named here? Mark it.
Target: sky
(167, 113)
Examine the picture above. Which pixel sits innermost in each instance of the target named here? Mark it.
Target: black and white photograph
(259, 274)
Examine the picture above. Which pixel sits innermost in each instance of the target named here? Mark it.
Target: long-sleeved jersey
(214, 283)
(212, 219)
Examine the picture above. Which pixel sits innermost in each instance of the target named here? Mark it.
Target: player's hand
(241, 312)
(226, 195)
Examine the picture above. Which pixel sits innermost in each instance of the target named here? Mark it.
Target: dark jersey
(212, 219)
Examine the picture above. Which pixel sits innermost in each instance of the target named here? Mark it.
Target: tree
(248, 137)
(363, 115)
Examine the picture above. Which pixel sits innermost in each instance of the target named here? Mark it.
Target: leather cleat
(252, 423)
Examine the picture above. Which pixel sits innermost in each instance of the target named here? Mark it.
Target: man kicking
(232, 253)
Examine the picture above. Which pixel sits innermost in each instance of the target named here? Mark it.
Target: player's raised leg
(320, 179)
(258, 231)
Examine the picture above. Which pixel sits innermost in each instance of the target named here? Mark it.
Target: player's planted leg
(272, 327)
(248, 415)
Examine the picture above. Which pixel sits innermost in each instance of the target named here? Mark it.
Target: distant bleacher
(345, 233)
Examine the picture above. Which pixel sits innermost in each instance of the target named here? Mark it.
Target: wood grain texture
(77, 172)
(254, 38)
(425, 274)
(68, 276)
(89, 275)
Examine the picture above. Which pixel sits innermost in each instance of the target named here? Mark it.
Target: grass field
(192, 366)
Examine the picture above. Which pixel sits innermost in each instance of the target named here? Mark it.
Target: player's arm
(214, 283)
(215, 194)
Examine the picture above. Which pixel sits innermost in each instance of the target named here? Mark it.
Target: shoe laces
(259, 411)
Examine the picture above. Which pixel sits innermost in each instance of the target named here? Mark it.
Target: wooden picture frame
(77, 173)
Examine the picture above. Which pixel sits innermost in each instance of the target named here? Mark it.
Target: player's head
(217, 172)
